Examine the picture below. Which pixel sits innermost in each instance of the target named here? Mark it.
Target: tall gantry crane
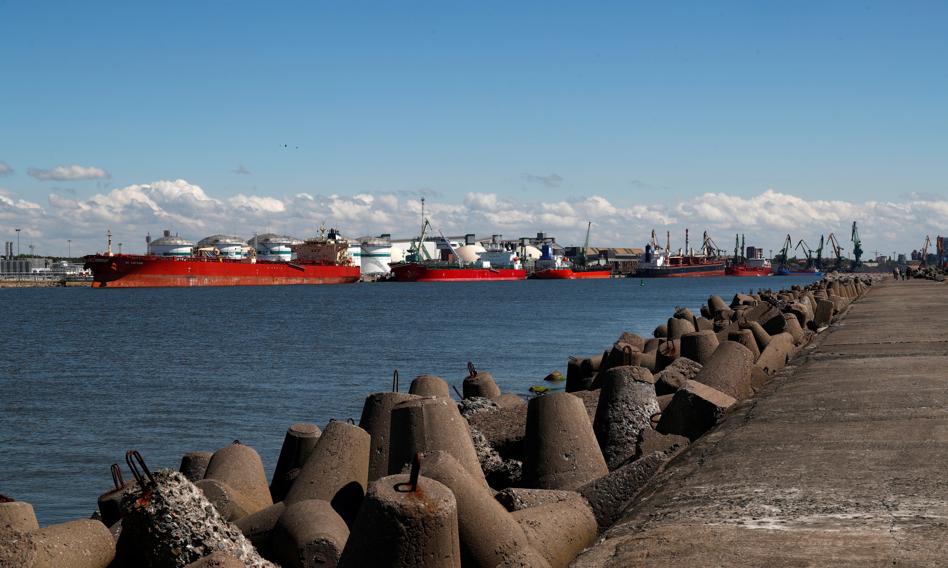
(857, 248)
(819, 254)
(928, 242)
(807, 251)
(837, 250)
(784, 255)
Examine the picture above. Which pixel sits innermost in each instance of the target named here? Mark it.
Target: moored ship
(551, 266)
(658, 262)
(496, 262)
(752, 263)
(321, 260)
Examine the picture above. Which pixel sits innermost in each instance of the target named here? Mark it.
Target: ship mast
(109, 249)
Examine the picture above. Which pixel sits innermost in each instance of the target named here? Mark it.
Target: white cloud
(179, 205)
(5, 169)
(69, 173)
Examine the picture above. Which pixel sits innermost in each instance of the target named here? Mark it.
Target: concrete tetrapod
(194, 465)
(760, 334)
(298, 443)
(404, 525)
(558, 531)
(777, 353)
(18, 516)
(678, 327)
(230, 503)
(377, 421)
(694, 410)
(77, 544)
(792, 326)
(824, 313)
(746, 338)
(627, 403)
(560, 446)
(426, 424)
(430, 385)
(240, 468)
(337, 471)
(699, 345)
(309, 534)
(259, 526)
(729, 370)
(608, 496)
(489, 535)
(480, 384)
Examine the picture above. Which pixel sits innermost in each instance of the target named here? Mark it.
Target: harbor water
(87, 374)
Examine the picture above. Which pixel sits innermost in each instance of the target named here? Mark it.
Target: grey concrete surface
(842, 459)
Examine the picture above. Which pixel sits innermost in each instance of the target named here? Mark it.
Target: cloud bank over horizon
(132, 211)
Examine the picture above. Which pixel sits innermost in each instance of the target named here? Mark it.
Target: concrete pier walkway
(842, 461)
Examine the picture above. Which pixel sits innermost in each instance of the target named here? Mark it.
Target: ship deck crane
(710, 247)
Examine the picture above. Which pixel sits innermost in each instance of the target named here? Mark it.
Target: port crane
(709, 247)
(819, 255)
(582, 257)
(784, 255)
(837, 250)
(807, 251)
(928, 242)
(940, 249)
(857, 248)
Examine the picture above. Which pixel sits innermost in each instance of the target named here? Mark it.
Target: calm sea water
(87, 374)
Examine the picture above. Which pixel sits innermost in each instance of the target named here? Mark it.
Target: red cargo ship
(570, 274)
(495, 263)
(320, 261)
(752, 264)
(443, 272)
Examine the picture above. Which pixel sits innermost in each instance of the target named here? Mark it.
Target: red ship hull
(138, 271)
(570, 274)
(743, 270)
(682, 271)
(414, 272)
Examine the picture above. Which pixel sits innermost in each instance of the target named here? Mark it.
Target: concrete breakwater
(423, 480)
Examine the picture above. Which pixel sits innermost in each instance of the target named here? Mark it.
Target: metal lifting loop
(470, 369)
(135, 461)
(117, 476)
(351, 421)
(412, 484)
(395, 381)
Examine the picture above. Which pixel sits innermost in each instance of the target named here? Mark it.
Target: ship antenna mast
(109, 235)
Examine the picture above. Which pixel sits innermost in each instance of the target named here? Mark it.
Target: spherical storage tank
(229, 247)
(468, 253)
(170, 245)
(271, 246)
(376, 256)
(531, 253)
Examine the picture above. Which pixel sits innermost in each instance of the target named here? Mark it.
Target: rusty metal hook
(470, 369)
(135, 461)
(117, 476)
(395, 381)
(412, 484)
(351, 421)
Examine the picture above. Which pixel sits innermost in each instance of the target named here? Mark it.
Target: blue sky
(536, 103)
